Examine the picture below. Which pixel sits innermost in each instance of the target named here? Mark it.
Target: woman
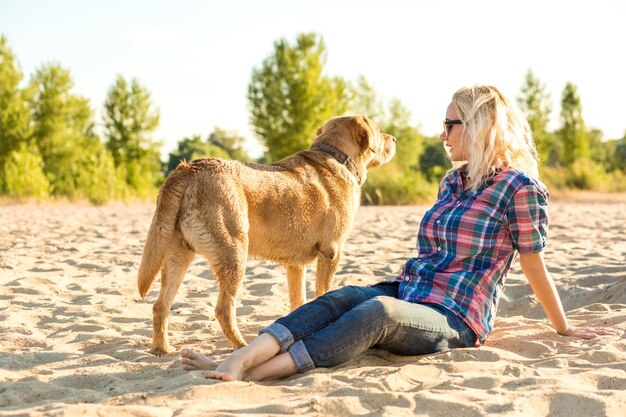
(490, 207)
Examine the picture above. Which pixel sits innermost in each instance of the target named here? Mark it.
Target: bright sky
(196, 57)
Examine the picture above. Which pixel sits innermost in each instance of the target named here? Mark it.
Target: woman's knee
(383, 307)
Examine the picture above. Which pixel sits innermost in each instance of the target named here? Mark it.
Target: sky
(197, 57)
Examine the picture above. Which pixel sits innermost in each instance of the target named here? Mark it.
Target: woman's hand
(588, 333)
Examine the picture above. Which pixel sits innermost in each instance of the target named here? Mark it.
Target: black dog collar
(341, 157)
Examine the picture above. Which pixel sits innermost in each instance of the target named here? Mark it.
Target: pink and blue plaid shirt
(468, 240)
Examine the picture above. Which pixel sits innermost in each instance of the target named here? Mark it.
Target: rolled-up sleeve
(528, 218)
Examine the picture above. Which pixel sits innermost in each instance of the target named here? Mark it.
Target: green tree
(98, 178)
(573, 133)
(619, 159)
(365, 100)
(193, 148)
(75, 161)
(434, 162)
(599, 151)
(14, 112)
(290, 97)
(230, 142)
(400, 181)
(220, 144)
(535, 102)
(409, 140)
(129, 118)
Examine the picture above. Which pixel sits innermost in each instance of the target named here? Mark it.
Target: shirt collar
(457, 180)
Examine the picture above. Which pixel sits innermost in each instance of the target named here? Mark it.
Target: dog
(291, 212)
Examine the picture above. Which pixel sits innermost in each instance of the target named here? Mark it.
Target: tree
(409, 141)
(75, 161)
(535, 102)
(573, 133)
(193, 148)
(128, 120)
(434, 162)
(14, 113)
(290, 98)
(220, 144)
(230, 142)
(619, 154)
(401, 181)
(599, 151)
(365, 101)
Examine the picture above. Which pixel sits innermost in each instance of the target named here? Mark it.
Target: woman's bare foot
(231, 369)
(193, 361)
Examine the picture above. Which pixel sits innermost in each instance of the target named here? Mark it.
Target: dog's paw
(162, 351)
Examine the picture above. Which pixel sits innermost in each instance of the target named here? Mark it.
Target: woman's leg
(259, 359)
(395, 325)
(236, 365)
(324, 310)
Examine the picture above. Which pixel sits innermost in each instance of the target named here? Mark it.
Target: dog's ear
(321, 129)
(364, 131)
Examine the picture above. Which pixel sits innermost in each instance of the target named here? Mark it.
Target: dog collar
(341, 157)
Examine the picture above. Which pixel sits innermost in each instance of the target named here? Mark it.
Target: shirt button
(438, 221)
(406, 278)
(438, 248)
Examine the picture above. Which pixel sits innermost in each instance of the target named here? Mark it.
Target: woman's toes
(220, 376)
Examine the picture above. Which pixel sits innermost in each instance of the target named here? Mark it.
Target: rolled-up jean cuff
(282, 335)
(301, 357)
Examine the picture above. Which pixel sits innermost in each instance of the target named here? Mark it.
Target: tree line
(49, 145)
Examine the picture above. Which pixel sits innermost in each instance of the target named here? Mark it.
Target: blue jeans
(342, 324)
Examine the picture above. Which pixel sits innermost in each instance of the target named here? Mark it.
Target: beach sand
(75, 335)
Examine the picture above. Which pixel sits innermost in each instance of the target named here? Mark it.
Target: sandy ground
(74, 334)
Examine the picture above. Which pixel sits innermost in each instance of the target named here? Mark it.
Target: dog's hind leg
(229, 266)
(297, 285)
(176, 263)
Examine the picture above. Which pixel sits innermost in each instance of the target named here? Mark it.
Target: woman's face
(452, 136)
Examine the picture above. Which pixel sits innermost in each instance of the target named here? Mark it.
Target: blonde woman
(490, 208)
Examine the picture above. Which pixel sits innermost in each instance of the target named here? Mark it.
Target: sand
(74, 334)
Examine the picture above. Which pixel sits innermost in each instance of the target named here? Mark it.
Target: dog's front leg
(297, 285)
(327, 262)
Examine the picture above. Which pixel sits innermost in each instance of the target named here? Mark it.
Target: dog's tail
(163, 225)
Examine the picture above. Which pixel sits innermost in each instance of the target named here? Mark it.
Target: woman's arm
(543, 286)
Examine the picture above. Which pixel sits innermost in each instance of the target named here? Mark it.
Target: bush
(617, 181)
(583, 174)
(394, 187)
(23, 174)
(98, 180)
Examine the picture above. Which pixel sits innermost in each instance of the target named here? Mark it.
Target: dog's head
(360, 139)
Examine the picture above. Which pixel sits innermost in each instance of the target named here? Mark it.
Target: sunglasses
(447, 125)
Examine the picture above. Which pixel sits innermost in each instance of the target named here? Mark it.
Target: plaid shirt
(468, 240)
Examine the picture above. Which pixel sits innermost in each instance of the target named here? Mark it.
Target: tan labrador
(292, 212)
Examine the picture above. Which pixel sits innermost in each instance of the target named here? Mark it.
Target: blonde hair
(496, 134)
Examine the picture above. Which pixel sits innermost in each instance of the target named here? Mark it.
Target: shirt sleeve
(528, 218)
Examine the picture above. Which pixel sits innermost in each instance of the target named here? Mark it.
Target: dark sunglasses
(447, 125)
